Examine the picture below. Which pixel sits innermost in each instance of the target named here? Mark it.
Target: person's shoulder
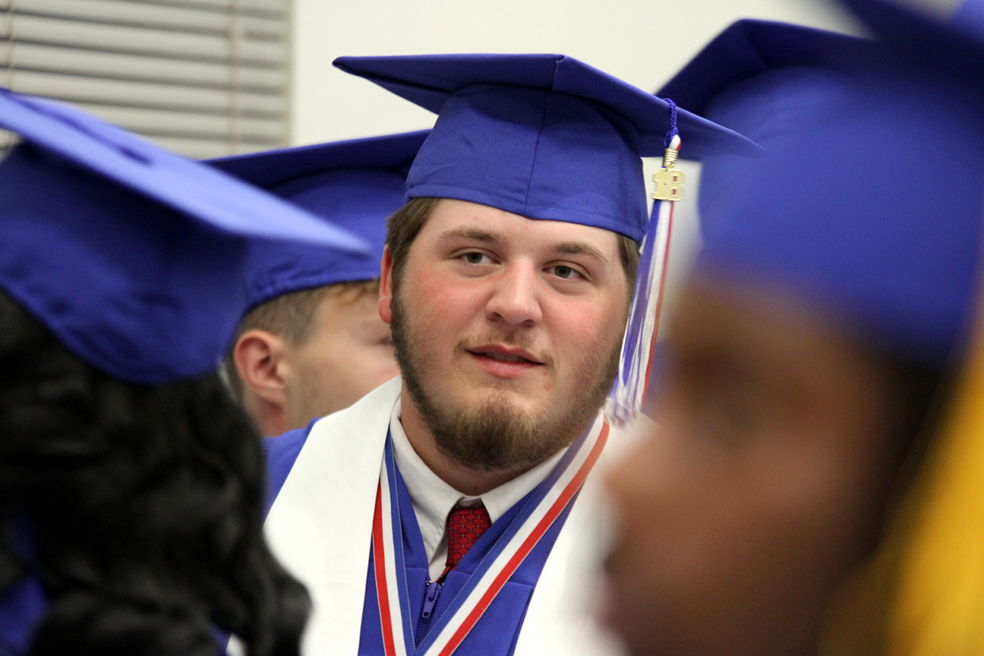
(367, 416)
(282, 450)
(286, 445)
(624, 435)
(22, 606)
(289, 444)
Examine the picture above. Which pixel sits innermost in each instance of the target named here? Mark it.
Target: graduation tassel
(639, 342)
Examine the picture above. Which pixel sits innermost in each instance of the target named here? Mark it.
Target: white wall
(641, 41)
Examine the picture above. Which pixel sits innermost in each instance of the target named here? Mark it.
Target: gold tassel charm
(669, 180)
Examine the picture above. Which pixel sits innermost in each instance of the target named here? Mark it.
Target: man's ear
(386, 286)
(260, 359)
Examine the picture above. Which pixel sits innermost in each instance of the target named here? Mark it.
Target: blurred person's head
(131, 485)
(136, 509)
(312, 341)
(804, 366)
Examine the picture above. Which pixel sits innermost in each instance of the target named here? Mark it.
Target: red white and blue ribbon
(538, 514)
(388, 565)
(639, 344)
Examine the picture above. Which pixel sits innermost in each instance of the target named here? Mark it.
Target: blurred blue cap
(761, 78)
(969, 15)
(543, 136)
(872, 206)
(926, 45)
(131, 255)
(353, 184)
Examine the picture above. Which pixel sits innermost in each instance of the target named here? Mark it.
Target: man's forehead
(455, 219)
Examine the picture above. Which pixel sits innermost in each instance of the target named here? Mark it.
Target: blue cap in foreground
(762, 78)
(131, 255)
(850, 213)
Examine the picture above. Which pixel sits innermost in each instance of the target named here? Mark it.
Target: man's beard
(497, 436)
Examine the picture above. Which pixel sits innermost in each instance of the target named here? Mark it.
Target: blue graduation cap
(970, 14)
(549, 137)
(760, 78)
(129, 254)
(353, 184)
(914, 35)
(543, 136)
(872, 208)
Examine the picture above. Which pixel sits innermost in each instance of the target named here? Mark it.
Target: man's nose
(515, 297)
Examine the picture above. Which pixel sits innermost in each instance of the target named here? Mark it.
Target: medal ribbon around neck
(547, 502)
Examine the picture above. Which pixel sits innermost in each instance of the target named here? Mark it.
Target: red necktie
(465, 526)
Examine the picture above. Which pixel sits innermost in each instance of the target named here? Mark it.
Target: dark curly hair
(142, 506)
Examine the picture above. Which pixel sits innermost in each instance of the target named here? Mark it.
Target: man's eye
(474, 257)
(565, 272)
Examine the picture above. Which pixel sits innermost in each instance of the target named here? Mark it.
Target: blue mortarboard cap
(543, 136)
(970, 14)
(748, 48)
(130, 254)
(353, 184)
(940, 52)
(760, 78)
(871, 209)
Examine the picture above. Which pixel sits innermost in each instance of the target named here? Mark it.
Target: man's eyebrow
(471, 233)
(581, 248)
(563, 248)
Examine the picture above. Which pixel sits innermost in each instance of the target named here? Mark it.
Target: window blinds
(202, 77)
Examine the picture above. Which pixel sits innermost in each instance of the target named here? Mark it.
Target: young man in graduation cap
(811, 349)
(311, 341)
(131, 484)
(507, 280)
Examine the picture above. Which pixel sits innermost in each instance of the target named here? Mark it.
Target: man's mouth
(505, 354)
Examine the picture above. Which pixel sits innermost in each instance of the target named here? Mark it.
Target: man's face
(507, 330)
(347, 353)
(762, 488)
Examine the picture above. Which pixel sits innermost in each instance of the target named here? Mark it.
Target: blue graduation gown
(22, 606)
(496, 632)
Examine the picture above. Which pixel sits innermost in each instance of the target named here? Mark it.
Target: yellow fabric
(922, 594)
(938, 602)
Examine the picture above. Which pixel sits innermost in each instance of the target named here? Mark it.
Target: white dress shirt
(433, 499)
